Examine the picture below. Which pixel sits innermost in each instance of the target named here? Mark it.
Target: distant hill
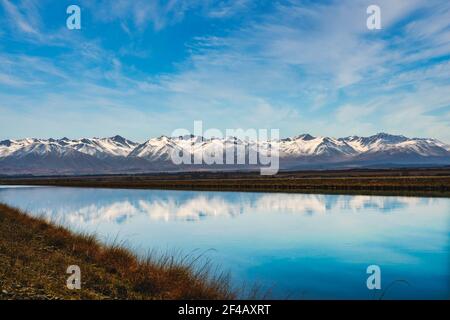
(120, 155)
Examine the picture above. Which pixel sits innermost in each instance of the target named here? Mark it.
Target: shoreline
(404, 182)
(35, 255)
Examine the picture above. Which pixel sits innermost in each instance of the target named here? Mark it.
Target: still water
(298, 246)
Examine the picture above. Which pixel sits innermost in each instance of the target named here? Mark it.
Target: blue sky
(144, 68)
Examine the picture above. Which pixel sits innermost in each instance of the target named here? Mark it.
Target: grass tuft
(35, 254)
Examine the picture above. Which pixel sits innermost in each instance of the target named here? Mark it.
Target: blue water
(297, 246)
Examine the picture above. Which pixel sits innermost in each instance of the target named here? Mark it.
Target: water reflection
(293, 243)
(95, 206)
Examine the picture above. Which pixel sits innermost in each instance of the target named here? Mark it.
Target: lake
(298, 246)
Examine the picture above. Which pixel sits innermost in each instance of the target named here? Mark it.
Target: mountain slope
(120, 155)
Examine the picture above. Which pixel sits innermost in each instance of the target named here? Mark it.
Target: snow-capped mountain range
(120, 155)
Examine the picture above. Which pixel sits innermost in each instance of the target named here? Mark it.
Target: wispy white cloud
(25, 15)
(300, 68)
(141, 13)
(159, 14)
(305, 53)
(228, 8)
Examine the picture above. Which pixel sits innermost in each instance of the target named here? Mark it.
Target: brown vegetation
(35, 254)
(417, 182)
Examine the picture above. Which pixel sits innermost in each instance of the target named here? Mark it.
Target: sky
(145, 68)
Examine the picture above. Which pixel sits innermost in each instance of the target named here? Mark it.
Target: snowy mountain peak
(98, 147)
(389, 138)
(305, 137)
(6, 143)
(117, 153)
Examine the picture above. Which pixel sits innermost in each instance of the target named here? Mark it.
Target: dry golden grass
(35, 254)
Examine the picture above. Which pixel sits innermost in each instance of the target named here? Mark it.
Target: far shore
(409, 182)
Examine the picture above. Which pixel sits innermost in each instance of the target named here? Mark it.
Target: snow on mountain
(104, 147)
(163, 147)
(155, 149)
(307, 145)
(98, 147)
(383, 142)
(7, 147)
(299, 147)
(117, 154)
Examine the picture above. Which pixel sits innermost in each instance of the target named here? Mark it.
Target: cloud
(24, 16)
(298, 54)
(188, 209)
(298, 66)
(141, 13)
(160, 14)
(228, 8)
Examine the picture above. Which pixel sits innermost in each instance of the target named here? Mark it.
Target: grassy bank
(414, 182)
(34, 256)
